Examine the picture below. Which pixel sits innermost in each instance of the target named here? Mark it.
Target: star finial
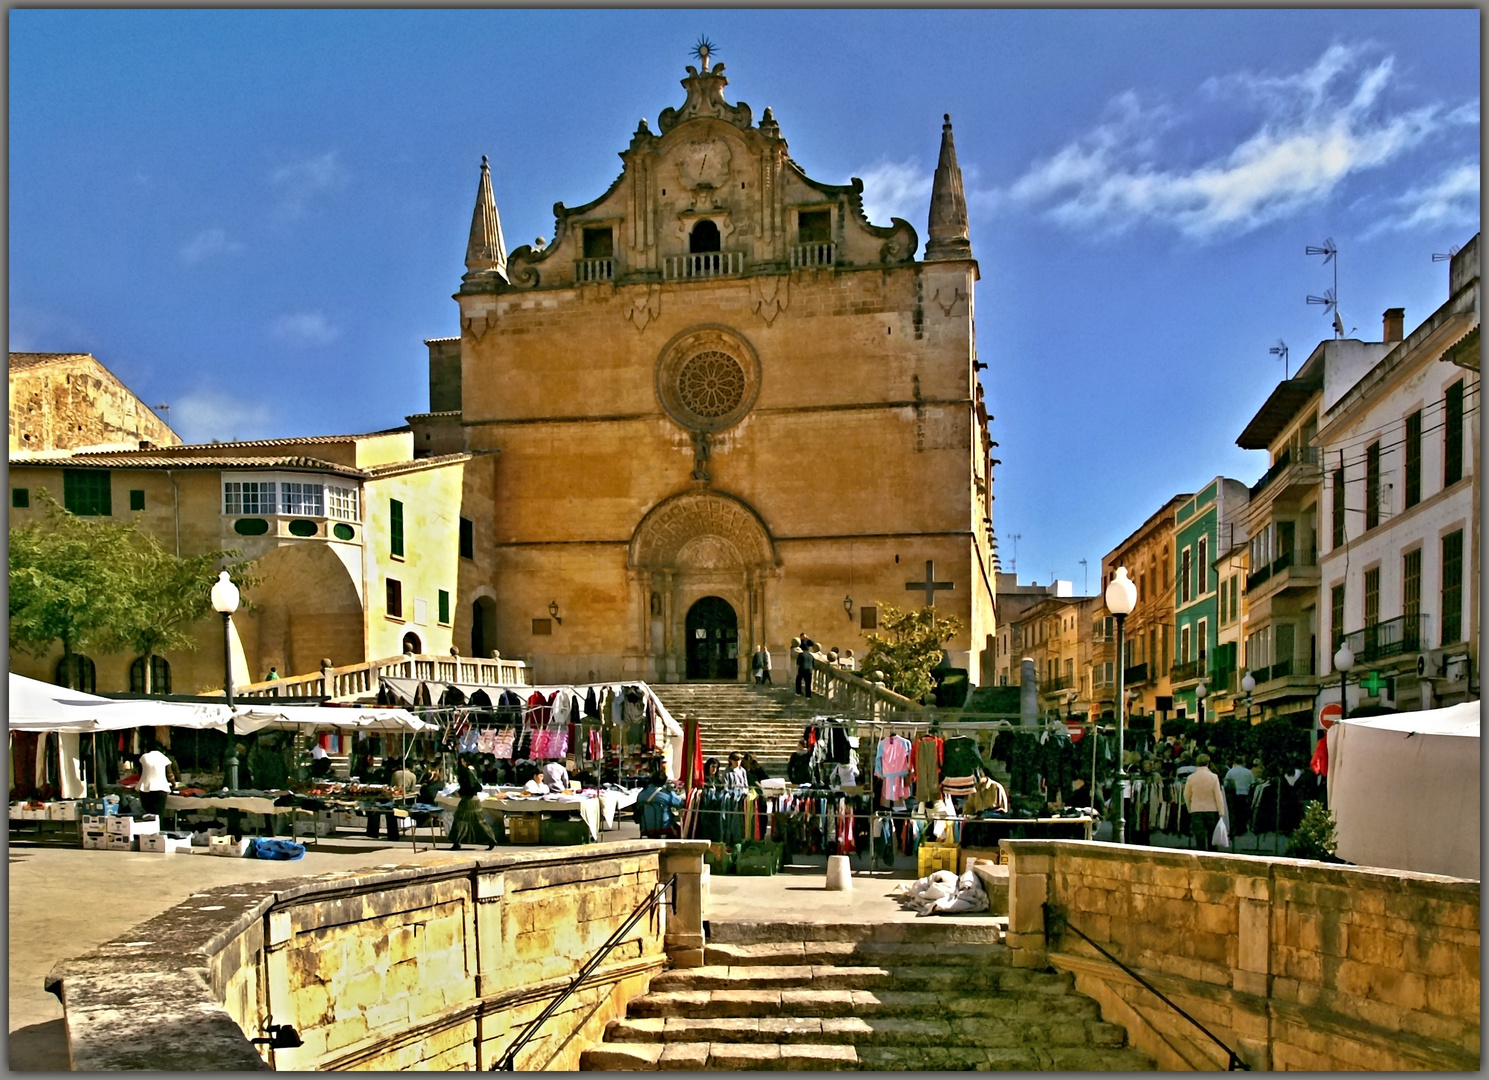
(703, 50)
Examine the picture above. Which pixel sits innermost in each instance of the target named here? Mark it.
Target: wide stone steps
(912, 996)
(743, 718)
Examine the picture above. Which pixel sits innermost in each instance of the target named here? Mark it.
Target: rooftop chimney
(1391, 324)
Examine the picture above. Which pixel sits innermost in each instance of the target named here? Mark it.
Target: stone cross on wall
(930, 584)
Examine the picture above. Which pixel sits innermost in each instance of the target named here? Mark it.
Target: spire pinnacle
(948, 239)
(486, 250)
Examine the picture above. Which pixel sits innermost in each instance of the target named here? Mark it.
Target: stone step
(951, 979)
(698, 1056)
(1021, 1058)
(874, 953)
(870, 1031)
(943, 930)
(1004, 1005)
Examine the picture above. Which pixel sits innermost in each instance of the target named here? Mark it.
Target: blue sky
(257, 216)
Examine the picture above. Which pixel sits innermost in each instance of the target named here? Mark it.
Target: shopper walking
(1206, 802)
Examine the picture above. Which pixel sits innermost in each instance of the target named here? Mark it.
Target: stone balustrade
(853, 695)
(1292, 963)
(430, 966)
(360, 680)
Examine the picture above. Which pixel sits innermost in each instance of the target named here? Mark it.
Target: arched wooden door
(712, 633)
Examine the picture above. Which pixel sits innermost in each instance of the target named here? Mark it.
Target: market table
(592, 809)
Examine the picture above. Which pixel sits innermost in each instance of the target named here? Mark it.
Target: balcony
(1060, 682)
(1292, 573)
(1136, 675)
(1192, 671)
(813, 255)
(707, 264)
(588, 270)
(1394, 637)
(1299, 466)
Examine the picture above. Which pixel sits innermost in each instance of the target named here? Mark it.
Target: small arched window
(160, 676)
(704, 238)
(82, 675)
(411, 644)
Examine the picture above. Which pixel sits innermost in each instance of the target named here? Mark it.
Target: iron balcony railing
(586, 270)
(706, 264)
(1186, 672)
(819, 254)
(1272, 569)
(1307, 455)
(1059, 682)
(1394, 637)
(1135, 675)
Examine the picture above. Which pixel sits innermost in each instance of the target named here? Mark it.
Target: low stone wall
(431, 966)
(1294, 964)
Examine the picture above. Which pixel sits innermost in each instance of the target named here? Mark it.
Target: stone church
(726, 408)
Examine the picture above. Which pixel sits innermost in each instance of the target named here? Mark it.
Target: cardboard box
(95, 839)
(63, 811)
(991, 855)
(229, 848)
(116, 842)
(202, 838)
(164, 843)
(133, 826)
(94, 822)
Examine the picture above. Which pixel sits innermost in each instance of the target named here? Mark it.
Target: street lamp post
(1344, 659)
(1248, 684)
(1121, 598)
(225, 602)
(1199, 696)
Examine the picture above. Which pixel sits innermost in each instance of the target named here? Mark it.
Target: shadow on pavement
(40, 1048)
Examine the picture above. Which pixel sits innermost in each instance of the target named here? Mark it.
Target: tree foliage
(1314, 837)
(104, 584)
(909, 648)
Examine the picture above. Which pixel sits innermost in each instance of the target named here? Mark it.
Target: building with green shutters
(1207, 525)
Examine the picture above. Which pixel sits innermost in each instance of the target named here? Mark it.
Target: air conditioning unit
(1430, 664)
(1455, 669)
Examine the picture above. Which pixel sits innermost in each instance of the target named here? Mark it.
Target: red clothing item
(1320, 762)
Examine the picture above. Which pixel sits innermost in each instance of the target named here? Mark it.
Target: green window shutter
(86, 492)
(444, 606)
(395, 527)
(136, 500)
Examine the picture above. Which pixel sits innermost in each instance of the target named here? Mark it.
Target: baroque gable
(709, 165)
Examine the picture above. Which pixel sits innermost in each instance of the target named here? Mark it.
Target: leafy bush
(1314, 837)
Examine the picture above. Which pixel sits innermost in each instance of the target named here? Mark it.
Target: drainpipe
(176, 506)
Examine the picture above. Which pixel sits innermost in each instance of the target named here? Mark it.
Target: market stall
(1404, 789)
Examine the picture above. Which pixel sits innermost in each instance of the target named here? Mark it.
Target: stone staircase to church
(765, 721)
(940, 996)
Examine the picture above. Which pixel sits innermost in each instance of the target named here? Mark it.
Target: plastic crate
(720, 858)
(563, 831)
(933, 857)
(524, 829)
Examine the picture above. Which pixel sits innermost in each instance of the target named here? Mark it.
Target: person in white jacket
(1205, 799)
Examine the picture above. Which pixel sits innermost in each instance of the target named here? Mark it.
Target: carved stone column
(666, 668)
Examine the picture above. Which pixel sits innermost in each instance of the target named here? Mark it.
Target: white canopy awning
(250, 718)
(39, 706)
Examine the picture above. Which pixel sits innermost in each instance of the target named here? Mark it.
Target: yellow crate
(523, 828)
(933, 857)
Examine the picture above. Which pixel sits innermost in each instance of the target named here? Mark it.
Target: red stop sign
(1077, 731)
(1330, 713)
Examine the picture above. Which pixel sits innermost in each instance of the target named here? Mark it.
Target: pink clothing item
(893, 766)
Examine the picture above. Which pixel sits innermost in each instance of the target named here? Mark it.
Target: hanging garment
(925, 767)
(591, 703)
(596, 744)
(837, 744)
(502, 744)
(508, 708)
(960, 757)
(562, 706)
(486, 741)
(893, 765)
(538, 710)
(1320, 762)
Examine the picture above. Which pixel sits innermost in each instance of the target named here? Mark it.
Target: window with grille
(1186, 592)
(87, 492)
(252, 497)
(160, 676)
(1452, 435)
(342, 502)
(395, 527)
(1413, 478)
(1452, 587)
(1336, 614)
(302, 500)
(1372, 596)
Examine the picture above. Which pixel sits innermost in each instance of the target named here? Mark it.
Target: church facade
(726, 408)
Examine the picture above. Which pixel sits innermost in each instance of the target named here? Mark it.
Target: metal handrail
(509, 1059)
(1051, 913)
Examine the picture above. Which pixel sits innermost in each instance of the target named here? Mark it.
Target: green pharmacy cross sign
(1374, 683)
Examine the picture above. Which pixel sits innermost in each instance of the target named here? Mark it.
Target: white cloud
(896, 189)
(207, 414)
(1451, 199)
(1317, 128)
(207, 244)
(302, 181)
(304, 328)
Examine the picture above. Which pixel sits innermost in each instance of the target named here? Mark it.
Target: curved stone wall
(432, 966)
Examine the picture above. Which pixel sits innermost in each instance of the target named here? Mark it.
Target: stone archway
(694, 545)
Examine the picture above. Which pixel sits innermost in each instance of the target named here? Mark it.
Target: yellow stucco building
(728, 409)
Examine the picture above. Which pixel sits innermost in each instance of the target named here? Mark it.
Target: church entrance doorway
(712, 634)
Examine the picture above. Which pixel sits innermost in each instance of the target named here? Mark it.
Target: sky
(257, 217)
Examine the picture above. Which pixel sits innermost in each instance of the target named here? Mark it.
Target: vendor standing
(156, 774)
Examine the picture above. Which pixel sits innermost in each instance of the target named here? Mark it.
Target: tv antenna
(1446, 256)
(1280, 349)
(1085, 578)
(1013, 565)
(165, 409)
(1330, 299)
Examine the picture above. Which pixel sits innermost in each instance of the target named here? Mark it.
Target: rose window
(711, 384)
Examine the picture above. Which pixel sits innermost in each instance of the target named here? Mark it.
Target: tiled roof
(393, 468)
(149, 459)
(190, 447)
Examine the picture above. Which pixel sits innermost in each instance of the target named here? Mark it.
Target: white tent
(1404, 790)
(257, 717)
(39, 706)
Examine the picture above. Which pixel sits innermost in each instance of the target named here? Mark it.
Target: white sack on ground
(944, 893)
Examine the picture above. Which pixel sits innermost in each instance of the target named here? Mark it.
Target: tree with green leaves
(104, 584)
(909, 648)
